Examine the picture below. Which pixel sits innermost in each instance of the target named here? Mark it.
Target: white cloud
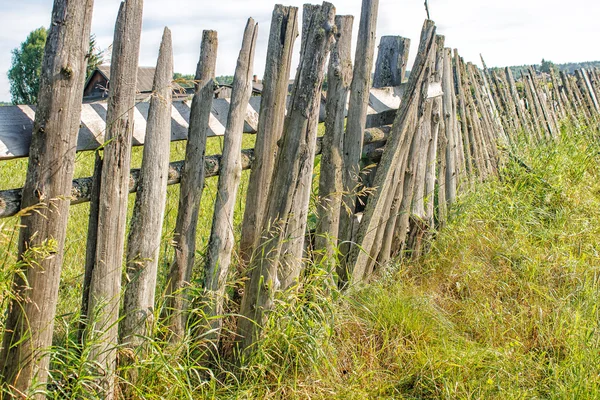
(506, 32)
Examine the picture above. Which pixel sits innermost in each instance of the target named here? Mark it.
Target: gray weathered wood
(93, 192)
(437, 124)
(192, 184)
(414, 95)
(332, 163)
(29, 323)
(292, 249)
(283, 33)
(16, 122)
(465, 143)
(392, 57)
(105, 284)
(449, 179)
(220, 245)
(294, 162)
(356, 123)
(147, 220)
(10, 200)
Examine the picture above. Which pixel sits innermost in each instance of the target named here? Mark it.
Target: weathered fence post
(292, 249)
(332, 162)
(192, 185)
(220, 245)
(105, 284)
(449, 178)
(294, 162)
(392, 57)
(147, 220)
(356, 123)
(284, 30)
(30, 319)
(465, 144)
(416, 90)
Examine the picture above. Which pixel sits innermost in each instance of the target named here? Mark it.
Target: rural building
(97, 85)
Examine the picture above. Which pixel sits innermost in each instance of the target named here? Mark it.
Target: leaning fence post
(283, 33)
(105, 284)
(30, 319)
(294, 162)
(147, 220)
(220, 245)
(360, 253)
(356, 122)
(190, 194)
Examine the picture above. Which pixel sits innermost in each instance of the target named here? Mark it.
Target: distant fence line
(431, 138)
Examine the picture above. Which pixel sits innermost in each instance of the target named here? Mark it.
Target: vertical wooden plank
(449, 178)
(392, 57)
(147, 220)
(192, 184)
(284, 30)
(331, 175)
(465, 143)
(360, 252)
(357, 117)
(292, 248)
(220, 245)
(105, 284)
(92, 239)
(294, 163)
(30, 318)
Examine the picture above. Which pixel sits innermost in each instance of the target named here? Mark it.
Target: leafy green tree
(24, 74)
(547, 66)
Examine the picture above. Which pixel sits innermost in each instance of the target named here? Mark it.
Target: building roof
(145, 77)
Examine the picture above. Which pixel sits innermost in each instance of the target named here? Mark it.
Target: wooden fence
(430, 138)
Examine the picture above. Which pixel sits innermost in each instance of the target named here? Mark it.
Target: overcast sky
(507, 32)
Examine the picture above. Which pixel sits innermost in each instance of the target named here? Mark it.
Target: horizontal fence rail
(16, 122)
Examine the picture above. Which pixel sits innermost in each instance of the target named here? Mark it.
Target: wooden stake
(332, 163)
(147, 220)
(220, 245)
(413, 97)
(284, 30)
(29, 323)
(392, 57)
(105, 285)
(356, 122)
(192, 184)
(294, 163)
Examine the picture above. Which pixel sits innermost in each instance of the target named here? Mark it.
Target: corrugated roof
(145, 77)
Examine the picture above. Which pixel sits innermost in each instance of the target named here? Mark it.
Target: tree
(24, 74)
(547, 66)
(95, 57)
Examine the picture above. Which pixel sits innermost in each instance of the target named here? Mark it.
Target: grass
(504, 306)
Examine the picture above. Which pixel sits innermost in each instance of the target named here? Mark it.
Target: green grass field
(505, 305)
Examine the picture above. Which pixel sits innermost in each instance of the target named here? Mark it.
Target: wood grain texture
(105, 283)
(192, 185)
(416, 91)
(30, 318)
(294, 163)
(147, 220)
(221, 241)
(332, 161)
(283, 33)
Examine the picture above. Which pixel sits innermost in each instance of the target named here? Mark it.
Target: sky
(506, 32)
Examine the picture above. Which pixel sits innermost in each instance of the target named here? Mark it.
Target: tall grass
(504, 306)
